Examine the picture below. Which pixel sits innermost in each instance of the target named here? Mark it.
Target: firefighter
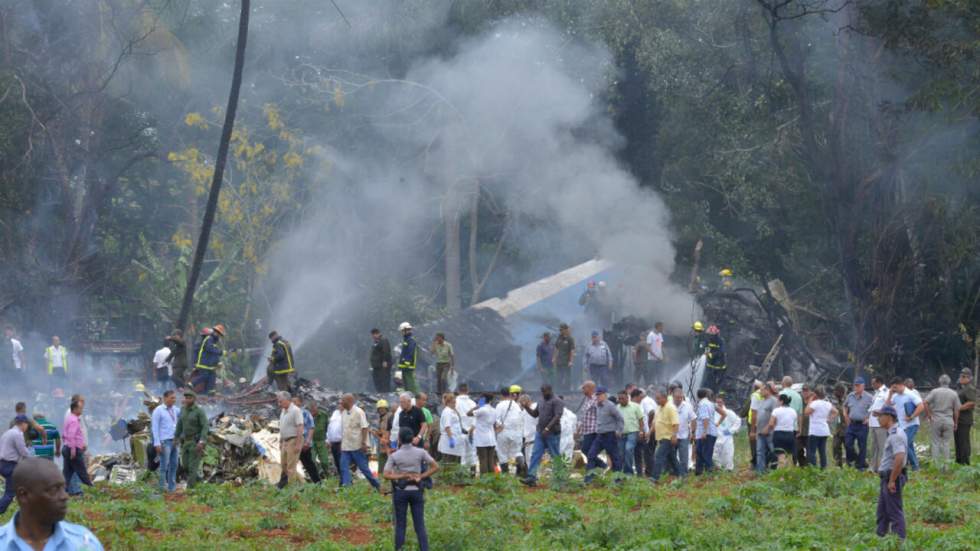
(280, 362)
(408, 358)
(714, 359)
(208, 358)
(698, 340)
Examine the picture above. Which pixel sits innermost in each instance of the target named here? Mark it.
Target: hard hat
(727, 272)
(713, 330)
(698, 326)
(405, 326)
(602, 284)
(140, 388)
(220, 329)
(381, 404)
(515, 389)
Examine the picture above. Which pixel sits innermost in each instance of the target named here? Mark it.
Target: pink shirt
(72, 433)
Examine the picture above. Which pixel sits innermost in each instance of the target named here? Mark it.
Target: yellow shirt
(665, 420)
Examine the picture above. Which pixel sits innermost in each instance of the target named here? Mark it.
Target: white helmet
(404, 325)
(602, 284)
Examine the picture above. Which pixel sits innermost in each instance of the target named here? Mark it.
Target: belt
(290, 438)
(598, 365)
(6, 461)
(857, 422)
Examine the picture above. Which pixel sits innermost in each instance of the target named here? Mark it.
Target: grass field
(791, 509)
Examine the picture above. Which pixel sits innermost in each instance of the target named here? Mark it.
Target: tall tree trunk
(219, 167)
(454, 300)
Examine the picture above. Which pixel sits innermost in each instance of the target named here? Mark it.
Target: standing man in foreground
(75, 446)
(665, 426)
(857, 415)
(891, 515)
(163, 425)
(406, 472)
(547, 433)
(13, 450)
(355, 444)
(40, 492)
(564, 358)
(192, 433)
(968, 399)
(609, 427)
(291, 429)
(943, 412)
(380, 361)
(408, 358)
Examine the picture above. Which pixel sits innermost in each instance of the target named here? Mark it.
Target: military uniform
(192, 428)
(321, 450)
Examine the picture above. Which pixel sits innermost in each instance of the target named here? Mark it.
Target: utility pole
(219, 168)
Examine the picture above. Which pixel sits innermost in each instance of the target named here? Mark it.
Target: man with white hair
(355, 443)
(290, 438)
(510, 437)
(943, 413)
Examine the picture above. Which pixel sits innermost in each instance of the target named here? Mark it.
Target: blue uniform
(66, 537)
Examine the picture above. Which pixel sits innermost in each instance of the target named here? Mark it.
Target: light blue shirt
(899, 401)
(66, 537)
(163, 424)
(706, 412)
(307, 424)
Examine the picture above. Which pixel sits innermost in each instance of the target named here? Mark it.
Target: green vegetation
(791, 509)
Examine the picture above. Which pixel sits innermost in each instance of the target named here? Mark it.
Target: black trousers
(306, 458)
(643, 456)
(74, 466)
(961, 439)
(382, 378)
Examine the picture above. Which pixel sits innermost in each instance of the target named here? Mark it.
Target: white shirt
(647, 405)
(18, 348)
(730, 425)
(509, 417)
(685, 414)
(335, 427)
(879, 401)
(160, 360)
(566, 444)
(899, 400)
(785, 417)
(655, 343)
(464, 404)
(57, 358)
(450, 419)
(820, 417)
(531, 423)
(483, 433)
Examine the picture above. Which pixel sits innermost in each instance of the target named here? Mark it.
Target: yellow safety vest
(49, 354)
(200, 354)
(287, 350)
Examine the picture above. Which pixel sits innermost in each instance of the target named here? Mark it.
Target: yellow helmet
(515, 389)
(381, 404)
(140, 388)
(698, 326)
(727, 272)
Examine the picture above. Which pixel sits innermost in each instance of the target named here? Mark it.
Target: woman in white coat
(452, 438)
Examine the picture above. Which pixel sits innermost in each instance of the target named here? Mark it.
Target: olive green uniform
(192, 427)
(321, 450)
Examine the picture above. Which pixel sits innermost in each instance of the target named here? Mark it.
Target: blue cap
(888, 410)
(22, 419)
(595, 333)
(859, 381)
(601, 390)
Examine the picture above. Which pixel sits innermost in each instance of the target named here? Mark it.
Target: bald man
(40, 489)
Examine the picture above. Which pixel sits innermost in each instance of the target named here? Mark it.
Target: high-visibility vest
(200, 354)
(405, 364)
(49, 354)
(288, 352)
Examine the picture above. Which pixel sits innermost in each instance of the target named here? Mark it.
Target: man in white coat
(728, 425)
(511, 435)
(465, 404)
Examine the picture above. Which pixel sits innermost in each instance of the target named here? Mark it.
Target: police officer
(891, 516)
(281, 364)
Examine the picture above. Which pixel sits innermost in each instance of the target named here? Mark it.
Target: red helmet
(713, 330)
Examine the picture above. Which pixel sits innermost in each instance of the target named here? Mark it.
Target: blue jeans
(705, 450)
(359, 459)
(7, 471)
(763, 449)
(587, 440)
(74, 485)
(608, 443)
(683, 456)
(402, 500)
(627, 445)
(551, 442)
(664, 455)
(910, 432)
(856, 433)
(816, 444)
(168, 465)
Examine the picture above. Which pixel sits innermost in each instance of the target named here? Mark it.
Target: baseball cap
(595, 333)
(859, 381)
(965, 372)
(601, 390)
(190, 394)
(887, 410)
